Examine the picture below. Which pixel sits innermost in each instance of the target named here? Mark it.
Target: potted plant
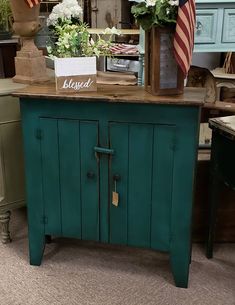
(72, 48)
(166, 60)
(5, 15)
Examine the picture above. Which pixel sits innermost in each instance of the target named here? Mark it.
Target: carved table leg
(4, 221)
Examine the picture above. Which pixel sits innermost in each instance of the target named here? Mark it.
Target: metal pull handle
(103, 150)
(199, 26)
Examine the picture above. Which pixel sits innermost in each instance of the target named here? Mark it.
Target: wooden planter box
(75, 74)
(162, 74)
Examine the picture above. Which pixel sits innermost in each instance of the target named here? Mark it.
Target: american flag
(124, 49)
(184, 34)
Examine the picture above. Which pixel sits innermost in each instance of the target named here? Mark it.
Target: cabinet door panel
(206, 26)
(144, 160)
(70, 179)
(71, 197)
(89, 180)
(130, 221)
(2, 183)
(11, 162)
(119, 165)
(51, 181)
(139, 184)
(229, 26)
(163, 167)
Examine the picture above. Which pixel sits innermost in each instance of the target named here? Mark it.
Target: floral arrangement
(70, 36)
(155, 12)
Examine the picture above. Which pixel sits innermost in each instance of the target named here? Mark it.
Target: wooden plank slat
(70, 171)
(139, 184)
(119, 165)
(163, 167)
(89, 183)
(51, 183)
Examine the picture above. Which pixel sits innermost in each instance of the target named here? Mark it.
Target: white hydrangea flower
(174, 2)
(150, 2)
(65, 10)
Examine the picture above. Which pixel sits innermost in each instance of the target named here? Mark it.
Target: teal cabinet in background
(215, 26)
(80, 150)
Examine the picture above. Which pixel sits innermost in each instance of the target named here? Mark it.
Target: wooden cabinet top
(224, 125)
(115, 94)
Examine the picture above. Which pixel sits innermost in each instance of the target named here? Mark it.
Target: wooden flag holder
(162, 74)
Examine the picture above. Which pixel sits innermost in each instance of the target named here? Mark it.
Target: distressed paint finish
(150, 147)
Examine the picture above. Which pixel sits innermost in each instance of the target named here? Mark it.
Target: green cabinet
(79, 151)
(70, 180)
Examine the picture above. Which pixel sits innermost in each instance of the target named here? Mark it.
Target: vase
(75, 74)
(162, 74)
(30, 63)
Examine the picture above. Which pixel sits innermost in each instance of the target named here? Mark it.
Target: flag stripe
(182, 45)
(180, 56)
(184, 34)
(186, 11)
(183, 28)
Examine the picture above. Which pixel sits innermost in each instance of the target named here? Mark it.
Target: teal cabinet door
(70, 175)
(141, 172)
(229, 26)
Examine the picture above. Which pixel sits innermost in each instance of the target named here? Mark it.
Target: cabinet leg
(214, 193)
(180, 269)
(36, 249)
(4, 221)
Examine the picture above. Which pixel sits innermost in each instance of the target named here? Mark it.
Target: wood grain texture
(162, 74)
(114, 94)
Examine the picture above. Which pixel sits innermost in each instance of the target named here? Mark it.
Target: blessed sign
(75, 74)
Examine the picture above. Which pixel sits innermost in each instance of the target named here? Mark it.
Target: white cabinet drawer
(228, 35)
(206, 26)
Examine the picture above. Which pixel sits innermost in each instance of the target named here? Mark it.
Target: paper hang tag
(115, 199)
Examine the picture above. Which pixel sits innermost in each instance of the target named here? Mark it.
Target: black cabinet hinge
(38, 133)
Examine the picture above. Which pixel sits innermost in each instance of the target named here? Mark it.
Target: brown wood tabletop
(223, 106)
(114, 93)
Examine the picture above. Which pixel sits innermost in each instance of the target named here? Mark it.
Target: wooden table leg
(213, 205)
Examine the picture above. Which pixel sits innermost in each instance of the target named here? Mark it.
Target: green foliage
(5, 14)
(74, 40)
(162, 13)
